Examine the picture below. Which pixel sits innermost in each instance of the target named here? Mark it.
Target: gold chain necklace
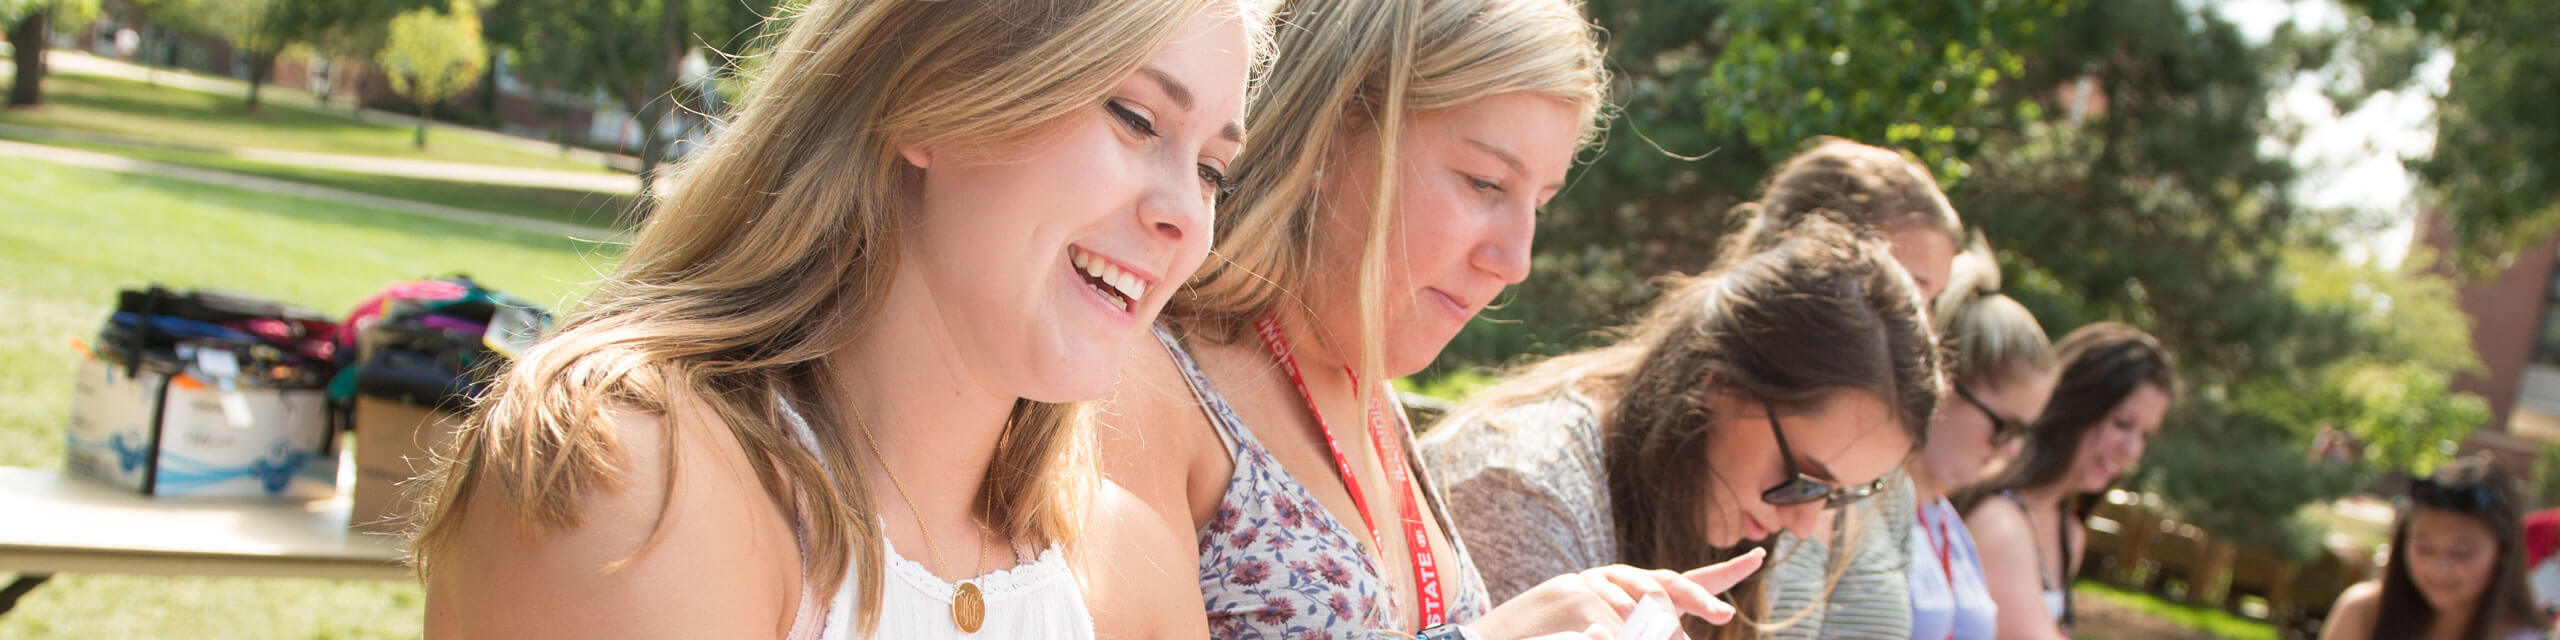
(968, 607)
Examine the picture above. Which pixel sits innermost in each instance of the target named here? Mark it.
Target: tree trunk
(422, 124)
(355, 90)
(260, 64)
(653, 147)
(27, 36)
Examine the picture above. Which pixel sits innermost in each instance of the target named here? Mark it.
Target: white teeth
(1126, 283)
(1121, 281)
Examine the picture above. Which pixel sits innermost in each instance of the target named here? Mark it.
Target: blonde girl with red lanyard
(1401, 149)
(1999, 374)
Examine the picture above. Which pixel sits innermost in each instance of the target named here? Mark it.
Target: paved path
(123, 164)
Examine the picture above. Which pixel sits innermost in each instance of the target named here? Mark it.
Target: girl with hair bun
(1999, 375)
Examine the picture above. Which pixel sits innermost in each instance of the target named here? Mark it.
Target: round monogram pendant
(968, 609)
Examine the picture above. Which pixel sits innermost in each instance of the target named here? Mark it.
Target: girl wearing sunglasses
(1999, 373)
(2115, 386)
(1859, 590)
(2456, 570)
(1744, 403)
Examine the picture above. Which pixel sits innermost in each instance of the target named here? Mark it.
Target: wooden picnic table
(52, 522)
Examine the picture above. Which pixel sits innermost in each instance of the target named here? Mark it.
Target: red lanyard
(1940, 543)
(1426, 574)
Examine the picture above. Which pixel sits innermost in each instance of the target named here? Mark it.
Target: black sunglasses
(2002, 427)
(2458, 497)
(1800, 488)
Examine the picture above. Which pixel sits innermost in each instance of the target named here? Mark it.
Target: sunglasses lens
(2458, 497)
(1795, 491)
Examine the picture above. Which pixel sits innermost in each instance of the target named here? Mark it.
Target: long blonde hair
(1990, 336)
(1352, 68)
(775, 250)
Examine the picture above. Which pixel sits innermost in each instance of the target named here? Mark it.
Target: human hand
(1594, 602)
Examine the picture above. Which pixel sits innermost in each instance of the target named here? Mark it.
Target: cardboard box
(182, 433)
(394, 442)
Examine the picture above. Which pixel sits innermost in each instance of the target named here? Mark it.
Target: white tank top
(1039, 599)
(1036, 600)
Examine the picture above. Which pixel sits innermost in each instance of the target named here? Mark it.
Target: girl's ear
(919, 157)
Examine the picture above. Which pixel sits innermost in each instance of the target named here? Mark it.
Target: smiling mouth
(1114, 283)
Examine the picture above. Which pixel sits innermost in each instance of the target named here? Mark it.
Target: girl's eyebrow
(1507, 158)
(1181, 96)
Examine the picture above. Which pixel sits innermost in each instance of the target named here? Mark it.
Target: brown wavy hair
(2102, 363)
(1819, 313)
(2505, 605)
(1869, 189)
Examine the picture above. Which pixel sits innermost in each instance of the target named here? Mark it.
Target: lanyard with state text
(1426, 574)
(1940, 542)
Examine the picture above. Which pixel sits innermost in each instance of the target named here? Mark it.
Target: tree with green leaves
(347, 30)
(432, 55)
(629, 49)
(257, 28)
(2116, 154)
(2495, 170)
(28, 21)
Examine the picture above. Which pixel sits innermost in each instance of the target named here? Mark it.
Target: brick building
(2515, 316)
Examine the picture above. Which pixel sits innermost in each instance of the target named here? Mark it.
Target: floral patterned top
(1275, 564)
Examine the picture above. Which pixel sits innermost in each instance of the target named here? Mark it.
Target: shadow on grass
(190, 107)
(572, 206)
(102, 104)
(310, 210)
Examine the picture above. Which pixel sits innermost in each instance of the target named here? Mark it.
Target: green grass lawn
(83, 233)
(137, 109)
(601, 210)
(2201, 620)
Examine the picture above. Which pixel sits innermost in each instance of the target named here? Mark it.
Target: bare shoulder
(679, 540)
(1998, 523)
(1138, 567)
(2352, 617)
(1149, 397)
(1152, 436)
(2005, 541)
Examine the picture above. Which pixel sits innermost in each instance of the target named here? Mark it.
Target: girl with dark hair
(2456, 570)
(2115, 386)
(1744, 403)
(1858, 590)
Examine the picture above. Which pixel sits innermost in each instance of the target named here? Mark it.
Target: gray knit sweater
(1873, 598)
(1528, 491)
